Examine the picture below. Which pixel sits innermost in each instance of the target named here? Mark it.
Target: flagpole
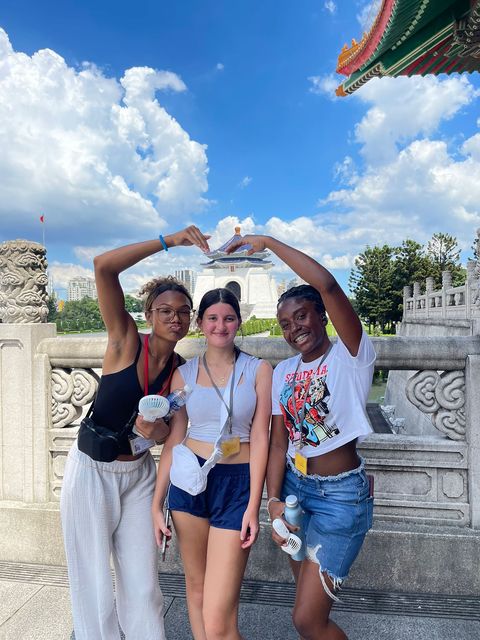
(42, 220)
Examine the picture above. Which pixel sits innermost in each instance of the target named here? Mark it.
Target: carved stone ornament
(72, 389)
(442, 395)
(23, 282)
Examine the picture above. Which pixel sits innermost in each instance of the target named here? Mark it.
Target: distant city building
(188, 277)
(79, 288)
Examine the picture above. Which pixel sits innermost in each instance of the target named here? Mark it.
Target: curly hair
(304, 292)
(155, 287)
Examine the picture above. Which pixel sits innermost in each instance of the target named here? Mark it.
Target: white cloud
(423, 190)
(225, 228)
(91, 151)
(244, 182)
(425, 102)
(219, 66)
(60, 274)
(330, 6)
(324, 85)
(367, 14)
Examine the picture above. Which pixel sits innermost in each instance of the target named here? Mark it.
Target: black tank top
(118, 395)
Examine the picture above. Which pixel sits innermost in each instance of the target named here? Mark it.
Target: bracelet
(270, 500)
(163, 243)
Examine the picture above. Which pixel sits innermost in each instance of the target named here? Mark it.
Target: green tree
(80, 315)
(133, 304)
(411, 265)
(52, 307)
(371, 282)
(443, 252)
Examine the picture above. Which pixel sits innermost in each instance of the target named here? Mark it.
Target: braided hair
(305, 292)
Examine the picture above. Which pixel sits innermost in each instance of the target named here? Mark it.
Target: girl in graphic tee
(318, 407)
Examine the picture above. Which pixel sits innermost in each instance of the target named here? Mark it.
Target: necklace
(218, 377)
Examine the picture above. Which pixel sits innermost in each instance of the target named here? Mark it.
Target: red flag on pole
(42, 218)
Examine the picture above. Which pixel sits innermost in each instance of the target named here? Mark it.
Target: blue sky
(121, 120)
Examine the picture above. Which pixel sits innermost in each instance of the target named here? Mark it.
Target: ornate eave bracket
(442, 396)
(72, 389)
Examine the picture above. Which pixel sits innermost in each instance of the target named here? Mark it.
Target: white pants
(106, 512)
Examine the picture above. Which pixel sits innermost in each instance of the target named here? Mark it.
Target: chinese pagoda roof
(220, 259)
(414, 37)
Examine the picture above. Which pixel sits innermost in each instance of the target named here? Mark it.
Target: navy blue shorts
(223, 502)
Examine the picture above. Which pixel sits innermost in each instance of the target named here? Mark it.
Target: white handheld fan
(153, 407)
(293, 544)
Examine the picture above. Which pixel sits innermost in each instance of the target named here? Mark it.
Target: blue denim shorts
(338, 512)
(223, 502)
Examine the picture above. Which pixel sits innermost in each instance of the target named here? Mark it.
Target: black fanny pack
(103, 444)
(100, 443)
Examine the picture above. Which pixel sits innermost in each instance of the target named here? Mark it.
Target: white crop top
(335, 395)
(204, 406)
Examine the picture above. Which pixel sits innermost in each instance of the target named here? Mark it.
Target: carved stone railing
(447, 303)
(418, 479)
(427, 487)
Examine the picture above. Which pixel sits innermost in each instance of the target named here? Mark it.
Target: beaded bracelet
(163, 243)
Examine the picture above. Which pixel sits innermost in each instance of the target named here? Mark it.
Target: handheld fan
(293, 544)
(153, 407)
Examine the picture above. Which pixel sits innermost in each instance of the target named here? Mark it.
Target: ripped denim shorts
(338, 512)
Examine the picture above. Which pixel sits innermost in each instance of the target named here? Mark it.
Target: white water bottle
(294, 515)
(177, 399)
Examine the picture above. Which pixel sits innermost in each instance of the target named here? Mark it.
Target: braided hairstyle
(305, 292)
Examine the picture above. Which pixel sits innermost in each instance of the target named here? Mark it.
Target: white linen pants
(106, 512)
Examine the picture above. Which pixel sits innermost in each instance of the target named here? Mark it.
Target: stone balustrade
(48, 382)
(447, 303)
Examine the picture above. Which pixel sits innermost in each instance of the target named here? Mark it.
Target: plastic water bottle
(177, 399)
(294, 515)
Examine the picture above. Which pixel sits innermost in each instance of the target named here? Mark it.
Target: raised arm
(339, 309)
(109, 265)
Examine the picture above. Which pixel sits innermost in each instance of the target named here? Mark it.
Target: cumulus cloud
(411, 184)
(423, 190)
(425, 103)
(61, 273)
(91, 151)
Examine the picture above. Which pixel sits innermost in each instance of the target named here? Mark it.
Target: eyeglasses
(167, 314)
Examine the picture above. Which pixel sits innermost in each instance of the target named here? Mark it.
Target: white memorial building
(247, 276)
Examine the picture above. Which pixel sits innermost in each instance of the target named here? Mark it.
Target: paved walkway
(34, 605)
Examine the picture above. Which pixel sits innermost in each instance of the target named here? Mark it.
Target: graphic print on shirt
(315, 393)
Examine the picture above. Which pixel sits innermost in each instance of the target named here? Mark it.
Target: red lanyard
(166, 386)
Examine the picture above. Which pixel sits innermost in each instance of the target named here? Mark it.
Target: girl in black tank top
(106, 506)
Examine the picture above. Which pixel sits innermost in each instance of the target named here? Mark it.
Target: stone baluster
(407, 294)
(416, 293)
(430, 301)
(25, 398)
(23, 282)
